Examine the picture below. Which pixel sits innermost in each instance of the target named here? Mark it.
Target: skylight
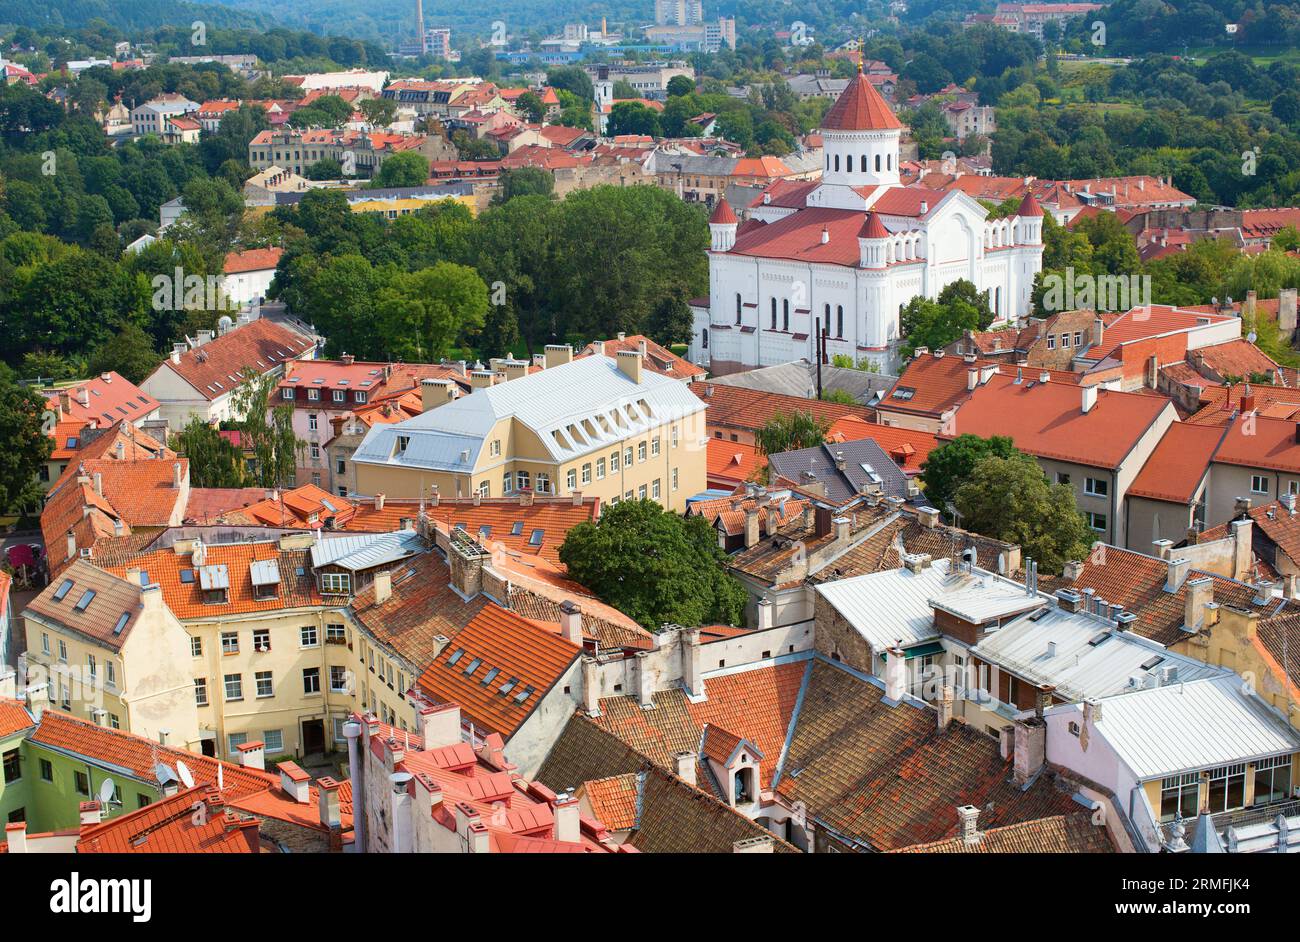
(473, 665)
(490, 676)
(904, 393)
(508, 686)
(536, 538)
(456, 656)
(121, 622)
(86, 598)
(63, 590)
(517, 528)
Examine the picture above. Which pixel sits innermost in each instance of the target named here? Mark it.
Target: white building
(852, 249)
(152, 116)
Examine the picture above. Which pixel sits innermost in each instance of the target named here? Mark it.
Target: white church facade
(851, 249)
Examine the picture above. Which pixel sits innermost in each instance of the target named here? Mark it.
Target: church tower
(860, 138)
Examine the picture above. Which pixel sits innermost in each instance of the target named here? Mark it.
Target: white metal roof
(1084, 656)
(573, 409)
(366, 551)
(893, 606)
(987, 598)
(1190, 727)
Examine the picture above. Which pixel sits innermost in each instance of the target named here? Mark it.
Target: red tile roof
(860, 108)
(1178, 464)
(731, 463)
(1029, 206)
(722, 215)
(750, 409)
(931, 384)
(252, 260)
(873, 228)
(756, 705)
(518, 649)
(1046, 420)
(1143, 323)
(908, 448)
(613, 800)
(14, 718)
(1261, 443)
(215, 368)
(102, 401)
(1237, 359)
(174, 825)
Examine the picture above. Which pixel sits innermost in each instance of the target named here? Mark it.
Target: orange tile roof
(658, 358)
(1046, 420)
(937, 382)
(731, 463)
(1058, 834)
(252, 260)
(308, 507)
(174, 826)
(1237, 358)
(613, 800)
(750, 409)
(517, 648)
(92, 603)
(756, 705)
(908, 448)
(1219, 403)
(860, 107)
(1262, 443)
(1144, 323)
(14, 718)
(185, 599)
(1178, 464)
(102, 400)
(215, 368)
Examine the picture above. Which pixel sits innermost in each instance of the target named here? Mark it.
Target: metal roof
(866, 465)
(1189, 727)
(573, 409)
(1083, 656)
(893, 606)
(214, 577)
(366, 551)
(265, 572)
(987, 598)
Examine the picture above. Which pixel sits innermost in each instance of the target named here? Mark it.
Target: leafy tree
(26, 446)
(791, 432)
(842, 396)
(655, 566)
(379, 111)
(214, 459)
(424, 312)
(406, 168)
(929, 324)
(327, 111)
(680, 85)
(267, 431)
(1011, 499)
(327, 168)
(128, 352)
(949, 465)
(524, 181)
(573, 80)
(632, 117)
(531, 106)
(623, 89)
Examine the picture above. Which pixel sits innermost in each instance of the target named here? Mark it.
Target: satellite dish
(187, 777)
(106, 790)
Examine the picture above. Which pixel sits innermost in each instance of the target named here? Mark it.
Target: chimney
(1098, 331)
(629, 363)
(558, 354)
(119, 450)
(753, 845)
(1247, 399)
(1286, 311)
(439, 724)
(98, 478)
(1288, 503)
(692, 666)
(91, 813)
(252, 755)
(383, 586)
(1006, 741)
(71, 545)
(968, 821)
(1200, 593)
(436, 392)
(645, 680)
(379, 502)
(1089, 398)
(972, 377)
(177, 475)
(684, 766)
(591, 685)
(1030, 750)
(895, 674)
(571, 622)
(516, 369)
(928, 517)
(1164, 548)
(481, 379)
(65, 402)
(1178, 569)
(568, 821)
(295, 782)
(945, 706)
(328, 802)
(766, 614)
(83, 397)
(1242, 551)
(751, 527)
(16, 835)
(842, 527)
(1248, 309)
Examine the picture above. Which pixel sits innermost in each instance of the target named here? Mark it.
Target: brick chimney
(571, 622)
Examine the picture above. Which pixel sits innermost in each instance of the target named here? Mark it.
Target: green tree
(532, 107)
(791, 432)
(655, 566)
(1011, 499)
(129, 352)
(680, 85)
(524, 181)
(950, 464)
(406, 168)
(26, 446)
(327, 168)
(267, 431)
(379, 111)
(214, 459)
(423, 313)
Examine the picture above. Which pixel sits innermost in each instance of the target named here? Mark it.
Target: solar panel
(64, 588)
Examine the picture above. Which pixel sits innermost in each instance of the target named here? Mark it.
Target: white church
(852, 249)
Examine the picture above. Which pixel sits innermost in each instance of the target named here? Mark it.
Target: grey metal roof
(214, 577)
(799, 378)
(265, 572)
(573, 409)
(366, 551)
(1083, 656)
(893, 606)
(865, 465)
(1192, 726)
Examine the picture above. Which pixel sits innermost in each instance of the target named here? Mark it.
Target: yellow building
(401, 201)
(597, 426)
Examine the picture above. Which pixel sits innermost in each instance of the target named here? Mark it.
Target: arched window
(889, 161)
(864, 163)
(704, 338)
(785, 315)
(826, 315)
(774, 313)
(738, 308)
(828, 161)
(877, 163)
(837, 163)
(839, 321)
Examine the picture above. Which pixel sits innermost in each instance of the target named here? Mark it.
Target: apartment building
(296, 150)
(152, 117)
(597, 426)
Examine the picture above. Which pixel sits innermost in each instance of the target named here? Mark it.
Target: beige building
(599, 426)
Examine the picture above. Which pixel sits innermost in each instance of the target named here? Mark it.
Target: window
(86, 598)
(311, 680)
(586, 473)
(201, 691)
(335, 634)
(1258, 484)
(1096, 521)
(90, 665)
(261, 639)
(494, 449)
(196, 647)
(640, 492)
(313, 395)
(273, 740)
(507, 483)
(627, 457)
(236, 740)
(230, 642)
(286, 393)
(264, 685)
(47, 771)
(336, 583)
(535, 538)
(543, 483)
(234, 684)
(313, 422)
(839, 321)
(774, 313)
(338, 679)
(613, 462)
(110, 673)
(358, 396)
(785, 315)
(45, 643)
(1051, 341)
(338, 395)
(1078, 338)
(1097, 487)
(308, 637)
(1227, 788)
(654, 446)
(600, 469)
(82, 782)
(738, 306)
(1272, 779)
(315, 452)
(521, 480)
(1062, 477)
(654, 489)
(571, 479)
(674, 438)
(640, 451)
(12, 766)
(1065, 341)
(64, 588)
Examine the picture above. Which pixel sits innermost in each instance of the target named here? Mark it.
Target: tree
(1011, 499)
(680, 85)
(327, 168)
(129, 352)
(524, 181)
(572, 79)
(423, 313)
(791, 432)
(532, 107)
(623, 89)
(929, 324)
(632, 117)
(406, 168)
(26, 446)
(951, 464)
(267, 431)
(379, 111)
(655, 566)
(214, 459)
